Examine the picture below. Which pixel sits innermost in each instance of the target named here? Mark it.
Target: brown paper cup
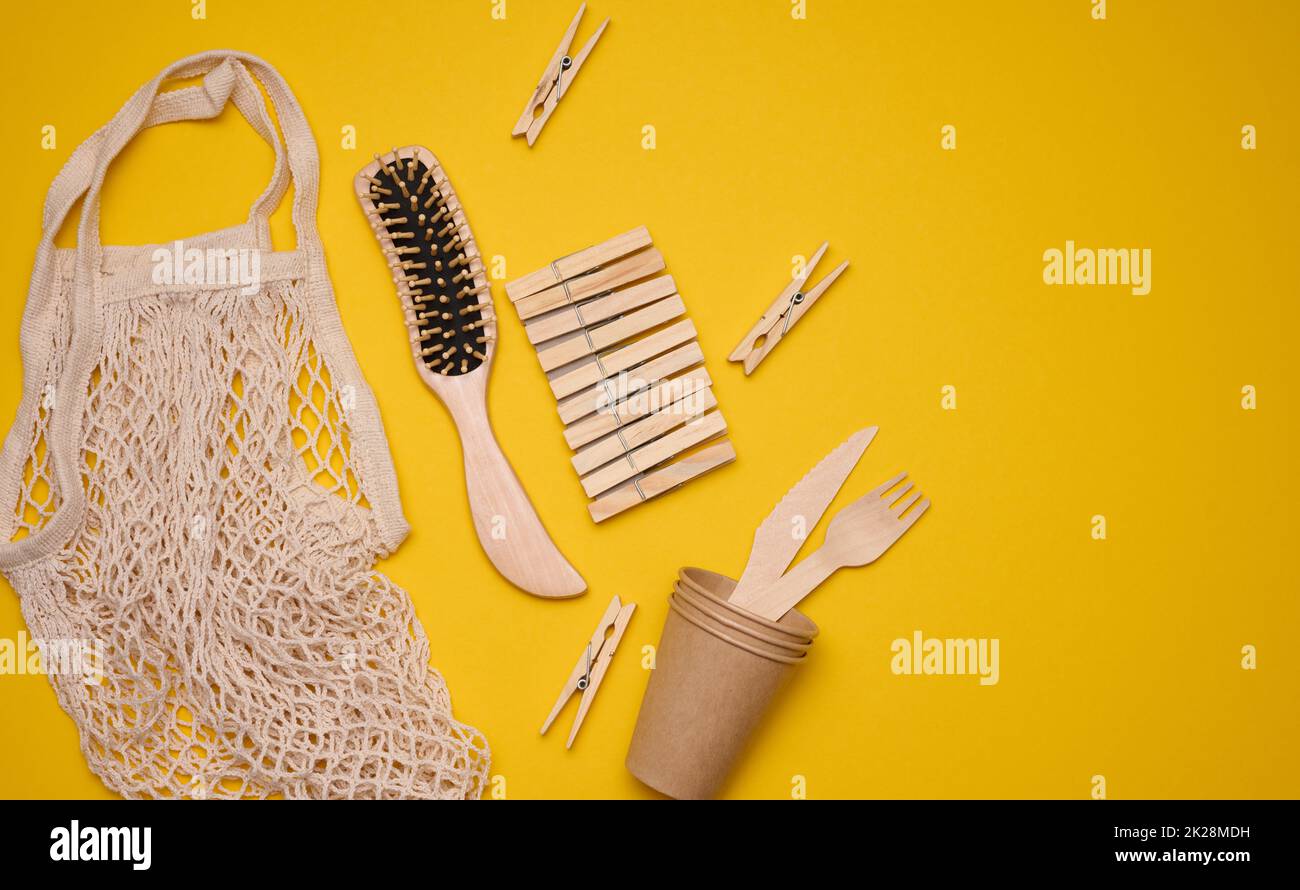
(711, 685)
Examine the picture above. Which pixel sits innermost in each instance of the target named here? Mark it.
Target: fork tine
(881, 489)
(901, 507)
(911, 518)
(895, 496)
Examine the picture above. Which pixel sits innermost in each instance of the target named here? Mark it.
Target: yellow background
(1118, 658)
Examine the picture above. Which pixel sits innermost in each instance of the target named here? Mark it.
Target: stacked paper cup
(717, 668)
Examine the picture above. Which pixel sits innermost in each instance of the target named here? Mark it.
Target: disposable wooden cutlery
(775, 541)
(856, 536)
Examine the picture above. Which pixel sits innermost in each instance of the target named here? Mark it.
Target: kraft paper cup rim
(739, 631)
(739, 644)
(690, 598)
(717, 587)
(739, 620)
(686, 576)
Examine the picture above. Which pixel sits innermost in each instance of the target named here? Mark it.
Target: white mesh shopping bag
(197, 485)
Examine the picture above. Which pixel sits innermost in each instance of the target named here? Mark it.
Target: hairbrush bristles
(427, 242)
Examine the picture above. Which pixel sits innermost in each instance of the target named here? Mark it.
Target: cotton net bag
(200, 489)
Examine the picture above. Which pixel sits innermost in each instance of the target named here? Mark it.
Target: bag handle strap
(228, 75)
(228, 81)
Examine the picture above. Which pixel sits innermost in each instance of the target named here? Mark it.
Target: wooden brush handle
(508, 527)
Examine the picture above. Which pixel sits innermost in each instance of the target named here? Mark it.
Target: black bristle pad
(431, 252)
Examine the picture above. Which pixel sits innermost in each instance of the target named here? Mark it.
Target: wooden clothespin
(578, 264)
(592, 665)
(555, 82)
(784, 312)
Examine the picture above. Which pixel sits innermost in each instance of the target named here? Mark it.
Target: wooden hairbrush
(436, 264)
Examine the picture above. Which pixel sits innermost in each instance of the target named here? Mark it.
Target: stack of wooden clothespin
(624, 365)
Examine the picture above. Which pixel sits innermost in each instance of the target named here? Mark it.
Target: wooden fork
(858, 535)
